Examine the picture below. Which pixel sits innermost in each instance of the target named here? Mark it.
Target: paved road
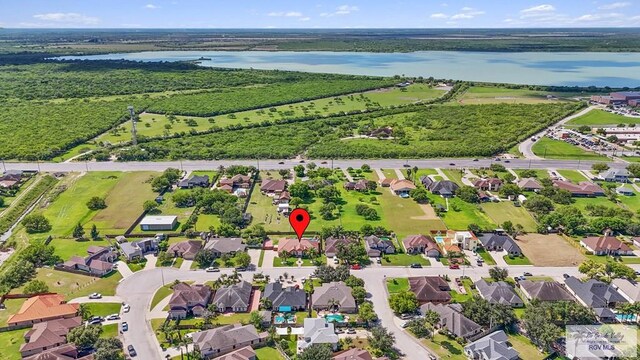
(288, 164)
(526, 146)
(139, 288)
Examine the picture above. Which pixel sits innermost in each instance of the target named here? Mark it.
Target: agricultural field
(505, 211)
(497, 95)
(556, 149)
(599, 117)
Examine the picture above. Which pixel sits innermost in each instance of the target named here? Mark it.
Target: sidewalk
(123, 269)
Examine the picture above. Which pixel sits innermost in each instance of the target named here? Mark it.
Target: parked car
(351, 331)
(241, 269)
(95, 296)
(416, 266)
(124, 326)
(212, 269)
(479, 263)
(96, 318)
(339, 331)
(566, 276)
(323, 163)
(356, 267)
(406, 165)
(406, 316)
(475, 159)
(454, 266)
(113, 317)
(94, 321)
(527, 274)
(126, 308)
(404, 324)
(132, 351)
(301, 161)
(379, 260)
(336, 260)
(281, 163)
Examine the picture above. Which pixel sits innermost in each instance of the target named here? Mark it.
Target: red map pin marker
(299, 220)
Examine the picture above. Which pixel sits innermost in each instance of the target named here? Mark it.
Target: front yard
(404, 260)
(293, 261)
(445, 347)
(503, 211)
(103, 309)
(488, 259)
(516, 260)
(395, 285)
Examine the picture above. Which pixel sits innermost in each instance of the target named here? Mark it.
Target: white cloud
(439, 16)
(615, 5)
(67, 18)
(305, 19)
(341, 10)
(467, 13)
(466, 8)
(150, 6)
(461, 16)
(599, 17)
(544, 8)
(285, 14)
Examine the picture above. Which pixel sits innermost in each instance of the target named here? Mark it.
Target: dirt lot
(549, 250)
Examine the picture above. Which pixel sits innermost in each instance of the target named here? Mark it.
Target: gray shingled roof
(280, 296)
(546, 290)
(456, 323)
(496, 240)
(498, 293)
(492, 347)
(233, 296)
(224, 337)
(225, 245)
(333, 290)
(593, 293)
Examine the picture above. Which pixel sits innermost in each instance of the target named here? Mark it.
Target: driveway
(255, 257)
(379, 173)
(151, 261)
(186, 265)
(498, 257)
(399, 174)
(442, 174)
(123, 269)
(267, 259)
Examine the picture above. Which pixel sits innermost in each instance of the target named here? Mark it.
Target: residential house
(594, 294)
(10, 178)
(616, 175)
(466, 240)
(189, 300)
(137, 249)
(99, 261)
(62, 352)
(332, 244)
(360, 185)
(628, 289)
(220, 246)
(582, 189)
(298, 248)
(545, 291)
(47, 335)
(194, 181)
(498, 293)
(529, 184)
(355, 354)
(228, 338)
(606, 245)
(283, 198)
(426, 181)
(401, 187)
(185, 249)
(334, 296)
(494, 346)
(444, 188)
(236, 181)
(488, 184)
(421, 244)
(233, 298)
(452, 319)
(500, 242)
(432, 289)
(285, 298)
(318, 331)
(158, 222)
(246, 353)
(271, 186)
(41, 308)
(377, 246)
(623, 190)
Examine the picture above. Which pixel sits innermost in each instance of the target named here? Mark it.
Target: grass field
(601, 117)
(11, 342)
(505, 211)
(405, 216)
(461, 214)
(103, 309)
(404, 260)
(397, 285)
(389, 173)
(573, 175)
(160, 294)
(516, 260)
(109, 331)
(540, 174)
(421, 172)
(560, 150)
(74, 285)
(454, 175)
(526, 349)
(124, 202)
(445, 347)
(12, 307)
(268, 353)
(496, 95)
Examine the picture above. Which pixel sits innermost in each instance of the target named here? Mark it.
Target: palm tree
(334, 304)
(284, 255)
(84, 312)
(266, 303)
(235, 277)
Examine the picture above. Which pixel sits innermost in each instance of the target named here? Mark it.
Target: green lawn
(389, 173)
(445, 347)
(397, 285)
(109, 331)
(488, 259)
(540, 173)
(631, 202)
(422, 172)
(505, 211)
(293, 262)
(601, 117)
(160, 294)
(261, 259)
(517, 260)
(268, 353)
(526, 349)
(103, 309)
(604, 259)
(11, 341)
(12, 307)
(265, 213)
(459, 298)
(235, 318)
(454, 175)
(573, 175)
(206, 221)
(404, 260)
(461, 214)
(557, 149)
(497, 95)
(74, 285)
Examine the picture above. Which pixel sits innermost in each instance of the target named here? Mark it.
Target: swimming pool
(439, 239)
(627, 317)
(334, 318)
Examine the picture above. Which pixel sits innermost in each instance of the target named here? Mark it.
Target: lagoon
(536, 68)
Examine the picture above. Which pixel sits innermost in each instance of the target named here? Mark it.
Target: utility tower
(134, 135)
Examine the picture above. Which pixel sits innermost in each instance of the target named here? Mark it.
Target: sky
(317, 14)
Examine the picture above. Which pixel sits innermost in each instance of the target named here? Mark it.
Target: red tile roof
(41, 307)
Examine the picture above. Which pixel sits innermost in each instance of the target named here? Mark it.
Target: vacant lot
(506, 211)
(557, 149)
(496, 95)
(74, 285)
(549, 250)
(601, 117)
(573, 175)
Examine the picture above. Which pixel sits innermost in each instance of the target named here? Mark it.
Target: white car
(212, 269)
(124, 326)
(113, 317)
(95, 296)
(335, 260)
(126, 308)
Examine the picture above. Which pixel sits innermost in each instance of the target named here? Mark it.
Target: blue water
(626, 317)
(567, 69)
(439, 239)
(334, 318)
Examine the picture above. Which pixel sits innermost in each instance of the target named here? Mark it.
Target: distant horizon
(327, 28)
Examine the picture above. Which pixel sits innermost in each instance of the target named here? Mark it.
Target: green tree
(508, 178)
(96, 203)
(150, 207)
(316, 352)
(327, 211)
(599, 167)
(539, 204)
(381, 341)
(36, 287)
(606, 272)
(366, 312)
(243, 259)
(36, 223)
(419, 195)
(300, 190)
(498, 273)
(1, 201)
(255, 319)
(359, 294)
(204, 258)
(497, 167)
(78, 231)
(509, 190)
(468, 194)
(40, 254)
(108, 349)
(403, 302)
(528, 173)
(634, 169)
(95, 234)
(299, 170)
(84, 337)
